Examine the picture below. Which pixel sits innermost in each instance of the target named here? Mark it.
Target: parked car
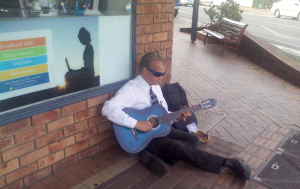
(176, 11)
(187, 2)
(289, 8)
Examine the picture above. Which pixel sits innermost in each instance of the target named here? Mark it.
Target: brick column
(154, 30)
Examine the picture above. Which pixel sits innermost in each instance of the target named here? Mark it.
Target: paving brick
(30, 134)
(245, 156)
(16, 185)
(168, 181)
(9, 166)
(86, 134)
(20, 173)
(208, 181)
(50, 159)
(263, 154)
(80, 171)
(76, 148)
(88, 152)
(60, 123)
(6, 143)
(68, 177)
(9, 129)
(49, 138)
(37, 185)
(71, 109)
(45, 117)
(189, 181)
(37, 176)
(52, 182)
(18, 151)
(33, 156)
(64, 163)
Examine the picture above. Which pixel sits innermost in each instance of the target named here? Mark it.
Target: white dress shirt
(134, 94)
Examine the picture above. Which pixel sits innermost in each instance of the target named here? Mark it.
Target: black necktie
(153, 97)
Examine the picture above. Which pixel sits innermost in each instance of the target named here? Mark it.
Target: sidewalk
(261, 110)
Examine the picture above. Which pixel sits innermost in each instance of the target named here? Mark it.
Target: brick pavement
(253, 98)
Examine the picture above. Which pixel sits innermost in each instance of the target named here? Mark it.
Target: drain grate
(282, 169)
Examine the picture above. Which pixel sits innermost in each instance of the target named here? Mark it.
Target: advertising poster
(24, 63)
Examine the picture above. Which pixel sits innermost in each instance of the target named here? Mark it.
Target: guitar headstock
(208, 103)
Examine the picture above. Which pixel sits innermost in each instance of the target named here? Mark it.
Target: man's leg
(170, 148)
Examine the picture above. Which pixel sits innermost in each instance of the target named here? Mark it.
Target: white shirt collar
(144, 85)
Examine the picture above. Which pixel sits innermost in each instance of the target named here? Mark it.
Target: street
(281, 32)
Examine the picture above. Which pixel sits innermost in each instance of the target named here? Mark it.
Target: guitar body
(134, 144)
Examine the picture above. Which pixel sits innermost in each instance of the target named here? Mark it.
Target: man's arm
(113, 109)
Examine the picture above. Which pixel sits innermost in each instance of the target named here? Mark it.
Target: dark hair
(84, 35)
(148, 58)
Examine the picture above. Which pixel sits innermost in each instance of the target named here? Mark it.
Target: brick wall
(38, 146)
(154, 30)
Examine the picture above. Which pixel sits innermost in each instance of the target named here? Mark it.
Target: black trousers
(181, 145)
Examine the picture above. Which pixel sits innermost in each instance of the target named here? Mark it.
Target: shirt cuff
(131, 122)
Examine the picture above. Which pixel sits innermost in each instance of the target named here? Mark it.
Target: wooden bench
(228, 31)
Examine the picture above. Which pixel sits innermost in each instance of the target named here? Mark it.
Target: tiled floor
(261, 110)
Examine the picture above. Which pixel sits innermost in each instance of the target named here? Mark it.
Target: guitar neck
(177, 114)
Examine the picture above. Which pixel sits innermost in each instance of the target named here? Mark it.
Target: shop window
(51, 50)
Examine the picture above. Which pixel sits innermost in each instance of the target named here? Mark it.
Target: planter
(210, 39)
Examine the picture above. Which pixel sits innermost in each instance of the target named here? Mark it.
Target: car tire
(277, 13)
(298, 17)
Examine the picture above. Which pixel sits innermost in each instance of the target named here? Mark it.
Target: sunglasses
(156, 74)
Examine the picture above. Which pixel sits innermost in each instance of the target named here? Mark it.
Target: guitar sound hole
(154, 121)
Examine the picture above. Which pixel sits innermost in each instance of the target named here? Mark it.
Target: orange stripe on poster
(22, 43)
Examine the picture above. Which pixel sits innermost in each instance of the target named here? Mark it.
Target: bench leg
(205, 38)
(225, 46)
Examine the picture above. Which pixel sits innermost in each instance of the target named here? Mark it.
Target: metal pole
(195, 21)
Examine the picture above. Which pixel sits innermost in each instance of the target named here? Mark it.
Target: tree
(229, 9)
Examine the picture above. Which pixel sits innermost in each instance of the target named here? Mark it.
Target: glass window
(53, 48)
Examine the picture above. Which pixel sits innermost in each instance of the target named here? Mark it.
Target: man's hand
(185, 115)
(144, 126)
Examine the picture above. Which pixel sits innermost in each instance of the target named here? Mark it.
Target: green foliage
(229, 9)
(212, 14)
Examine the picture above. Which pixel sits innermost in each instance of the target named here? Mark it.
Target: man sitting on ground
(177, 145)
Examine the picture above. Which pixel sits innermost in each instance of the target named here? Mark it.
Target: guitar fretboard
(177, 114)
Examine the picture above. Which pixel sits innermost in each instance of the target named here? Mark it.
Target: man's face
(158, 66)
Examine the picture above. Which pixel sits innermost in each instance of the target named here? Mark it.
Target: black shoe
(155, 164)
(237, 165)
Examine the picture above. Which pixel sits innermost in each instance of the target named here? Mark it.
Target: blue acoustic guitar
(134, 141)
